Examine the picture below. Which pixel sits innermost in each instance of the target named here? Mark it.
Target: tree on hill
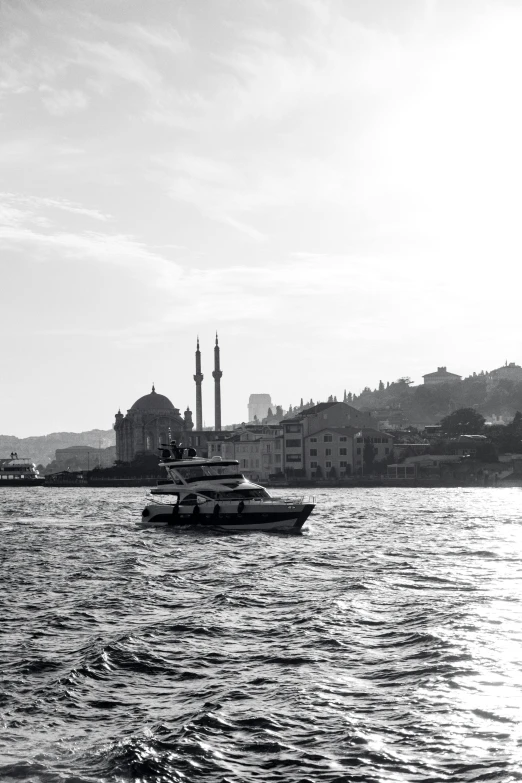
(516, 425)
(464, 421)
(506, 438)
(431, 401)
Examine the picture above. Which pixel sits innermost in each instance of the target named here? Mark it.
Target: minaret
(198, 378)
(217, 386)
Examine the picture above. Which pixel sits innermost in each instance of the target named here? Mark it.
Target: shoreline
(304, 484)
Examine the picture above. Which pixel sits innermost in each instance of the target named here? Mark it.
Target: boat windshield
(249, 493)
(203, 471)
(239, 494)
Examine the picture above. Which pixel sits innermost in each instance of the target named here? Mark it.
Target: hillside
(41, 448)
(425, 404)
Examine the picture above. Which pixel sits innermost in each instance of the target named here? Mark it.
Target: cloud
(216, 188)
(11, 216)
(24, 228)
(36, 202)
(272, 68)
(165, 38)
(60, 102)
(114, 64)
(118, 249)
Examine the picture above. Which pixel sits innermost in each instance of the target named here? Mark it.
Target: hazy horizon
(332, 185)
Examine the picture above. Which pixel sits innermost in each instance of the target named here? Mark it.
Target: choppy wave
(383, 644)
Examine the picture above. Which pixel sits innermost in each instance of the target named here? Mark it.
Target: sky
(332, 185)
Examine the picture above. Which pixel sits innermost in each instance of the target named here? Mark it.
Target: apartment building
(336, 415)
(258, 449)
(329, 453)
(338, 452)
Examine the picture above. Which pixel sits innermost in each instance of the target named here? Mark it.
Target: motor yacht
(212, 493)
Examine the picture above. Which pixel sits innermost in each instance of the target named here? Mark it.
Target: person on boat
(177, 451)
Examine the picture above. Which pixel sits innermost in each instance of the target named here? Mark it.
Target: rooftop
(319, 408)
(441, 371)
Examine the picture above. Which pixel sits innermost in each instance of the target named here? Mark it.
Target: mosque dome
(153, 402)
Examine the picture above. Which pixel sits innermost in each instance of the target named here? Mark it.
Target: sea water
(381, 644)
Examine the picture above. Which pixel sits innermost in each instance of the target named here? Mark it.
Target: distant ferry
(19, 472)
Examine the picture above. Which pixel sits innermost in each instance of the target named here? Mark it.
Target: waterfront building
(258, 448)
(329, 453)
(338, 452)
(441, 376)
(314, 419)
(152, 420)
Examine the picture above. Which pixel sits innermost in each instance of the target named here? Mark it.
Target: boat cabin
(18, 468)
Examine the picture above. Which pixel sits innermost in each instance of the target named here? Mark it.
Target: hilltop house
(441, 376)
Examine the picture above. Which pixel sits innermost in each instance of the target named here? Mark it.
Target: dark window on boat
(204, 471)
(191, 498)
(191, 472)
(246, 493)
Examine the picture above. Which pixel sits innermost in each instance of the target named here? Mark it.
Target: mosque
(153, 419)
